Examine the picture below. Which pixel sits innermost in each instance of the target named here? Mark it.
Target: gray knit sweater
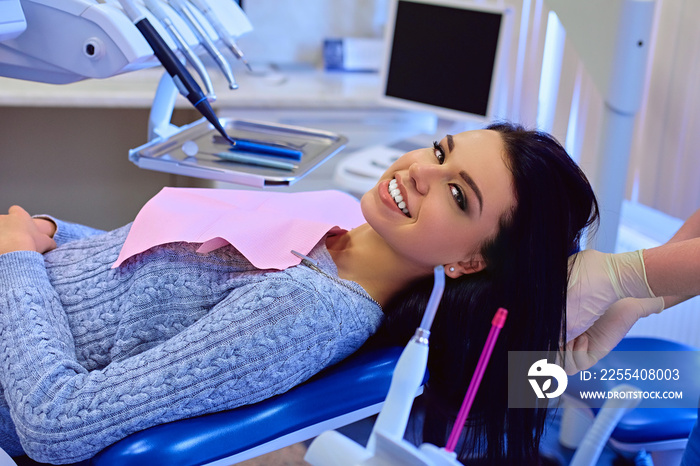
(91, 354)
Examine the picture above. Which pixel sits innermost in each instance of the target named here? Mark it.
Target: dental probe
(206, 10)
(183, 80)
(184, 9)
(160, 13)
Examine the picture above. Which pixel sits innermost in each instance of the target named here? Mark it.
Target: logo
(542, 368)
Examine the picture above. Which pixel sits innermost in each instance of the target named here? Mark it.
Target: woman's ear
(473, 265)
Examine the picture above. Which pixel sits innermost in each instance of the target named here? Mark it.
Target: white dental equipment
(90, 39)
(12, 21)
(612, 39)
(210, 14)
(63, 41)
(386, 446)
(157, 9)
(183, 8)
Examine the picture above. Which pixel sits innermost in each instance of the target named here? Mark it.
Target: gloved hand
(597, 281)
(588, 348)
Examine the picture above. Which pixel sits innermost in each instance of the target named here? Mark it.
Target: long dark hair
(526, 273)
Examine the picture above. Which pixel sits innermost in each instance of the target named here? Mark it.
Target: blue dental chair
(232, 436)
(663, 432)
(355, 389)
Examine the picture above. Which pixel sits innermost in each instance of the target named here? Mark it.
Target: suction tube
(409, 373)
(435, 297)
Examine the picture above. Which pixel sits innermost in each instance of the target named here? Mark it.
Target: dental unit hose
(183, 80)
(406, 381)
(434, 300)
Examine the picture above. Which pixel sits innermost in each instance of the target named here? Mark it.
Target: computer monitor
(444, 56)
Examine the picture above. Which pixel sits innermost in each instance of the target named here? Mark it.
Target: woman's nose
(423, 174)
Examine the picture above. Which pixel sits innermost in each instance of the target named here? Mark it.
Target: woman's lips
(387, 198)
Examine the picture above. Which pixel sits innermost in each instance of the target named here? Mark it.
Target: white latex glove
(597, 281)
(607, 331)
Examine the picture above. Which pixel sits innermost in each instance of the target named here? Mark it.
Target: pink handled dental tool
(497, 323)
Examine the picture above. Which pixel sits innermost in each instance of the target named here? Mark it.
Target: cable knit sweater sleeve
(64, 413)
(67, 231)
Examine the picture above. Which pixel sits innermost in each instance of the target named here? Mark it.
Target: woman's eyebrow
(465, 176)
(470, 182)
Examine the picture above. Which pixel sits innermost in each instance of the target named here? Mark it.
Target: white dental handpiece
(203, 6)
(183, 8)
(160, 13)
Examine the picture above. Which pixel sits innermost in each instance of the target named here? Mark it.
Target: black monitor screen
(443, 56)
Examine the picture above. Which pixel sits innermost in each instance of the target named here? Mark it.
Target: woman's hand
(45, 226)
(20, 232)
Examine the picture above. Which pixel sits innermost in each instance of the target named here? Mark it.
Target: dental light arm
(612, 38)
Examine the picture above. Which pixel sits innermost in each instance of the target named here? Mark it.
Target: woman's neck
(361, 255)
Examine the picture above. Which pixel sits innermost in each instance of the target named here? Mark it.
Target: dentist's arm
(674, 268)
(597, 321)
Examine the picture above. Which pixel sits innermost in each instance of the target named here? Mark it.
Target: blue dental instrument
(260, 161)
(268, 148)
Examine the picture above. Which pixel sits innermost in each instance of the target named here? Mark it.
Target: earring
(452, 269)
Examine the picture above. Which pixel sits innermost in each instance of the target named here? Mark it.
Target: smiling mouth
(397, 197)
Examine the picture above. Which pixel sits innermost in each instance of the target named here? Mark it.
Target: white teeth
(396, 195)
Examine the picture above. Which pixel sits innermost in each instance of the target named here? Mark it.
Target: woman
(91, 354)
(525, 271)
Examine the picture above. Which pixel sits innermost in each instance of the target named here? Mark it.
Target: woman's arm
(258, 342)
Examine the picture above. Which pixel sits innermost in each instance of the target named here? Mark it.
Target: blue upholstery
(360, 381)
(653, 424)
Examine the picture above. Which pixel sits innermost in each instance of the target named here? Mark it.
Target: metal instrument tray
(168, 155)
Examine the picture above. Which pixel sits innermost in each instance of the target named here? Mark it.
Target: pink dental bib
(263, 226)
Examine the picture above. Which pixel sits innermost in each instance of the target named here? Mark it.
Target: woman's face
(445, 201)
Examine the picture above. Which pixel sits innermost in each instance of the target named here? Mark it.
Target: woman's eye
(439, 153)
(458, 196)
